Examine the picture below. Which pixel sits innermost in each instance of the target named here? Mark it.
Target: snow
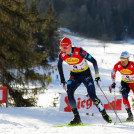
(44, 118)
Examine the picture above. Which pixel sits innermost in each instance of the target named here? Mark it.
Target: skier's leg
(72, 85)
(131, 97)
(125, 91)
(130, 115)
(88, 82)
(127, 106)
(76, 119)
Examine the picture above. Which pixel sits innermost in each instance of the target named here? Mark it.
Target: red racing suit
(127, 80)
(76, 62)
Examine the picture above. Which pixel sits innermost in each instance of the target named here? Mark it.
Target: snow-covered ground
(42, 119)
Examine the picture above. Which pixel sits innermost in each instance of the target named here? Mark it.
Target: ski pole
(115, 103)
(109, 102)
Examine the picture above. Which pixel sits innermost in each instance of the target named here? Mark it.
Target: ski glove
(112, 87)
(98, 81)
(63, 84)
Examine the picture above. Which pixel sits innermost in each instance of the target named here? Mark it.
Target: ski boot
(76, 119)
(106, 116)
(130, 115)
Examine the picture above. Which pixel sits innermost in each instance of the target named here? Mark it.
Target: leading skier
(77, 58)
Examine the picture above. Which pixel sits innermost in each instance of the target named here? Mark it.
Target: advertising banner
(85, 104)
(3, 94)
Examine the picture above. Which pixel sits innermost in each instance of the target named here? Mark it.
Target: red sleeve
(113, 73)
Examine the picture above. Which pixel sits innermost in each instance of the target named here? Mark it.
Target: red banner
(3, 94)
(85, 104)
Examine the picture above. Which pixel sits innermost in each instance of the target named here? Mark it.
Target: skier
(126, 68)
(77, 58)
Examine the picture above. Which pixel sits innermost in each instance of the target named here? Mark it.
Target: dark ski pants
(125, 91)
(87, 80)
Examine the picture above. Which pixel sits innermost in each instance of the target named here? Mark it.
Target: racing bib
(79, 67)
(128, 78)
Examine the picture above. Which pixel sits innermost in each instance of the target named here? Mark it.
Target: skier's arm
(88, 57)
(113, 76)
(60, 69)
(113, 73)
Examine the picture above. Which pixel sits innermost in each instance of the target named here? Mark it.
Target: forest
(101, 19)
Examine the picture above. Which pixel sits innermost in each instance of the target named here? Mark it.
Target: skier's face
(66, 50)
(124, 61)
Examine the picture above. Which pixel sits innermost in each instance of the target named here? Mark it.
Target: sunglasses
(123, 59)
(64, 47)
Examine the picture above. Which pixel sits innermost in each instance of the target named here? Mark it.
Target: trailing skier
(126, 68)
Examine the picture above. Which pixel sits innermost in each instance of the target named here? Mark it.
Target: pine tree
(18, 57)
(50, 32)
(47, 35)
